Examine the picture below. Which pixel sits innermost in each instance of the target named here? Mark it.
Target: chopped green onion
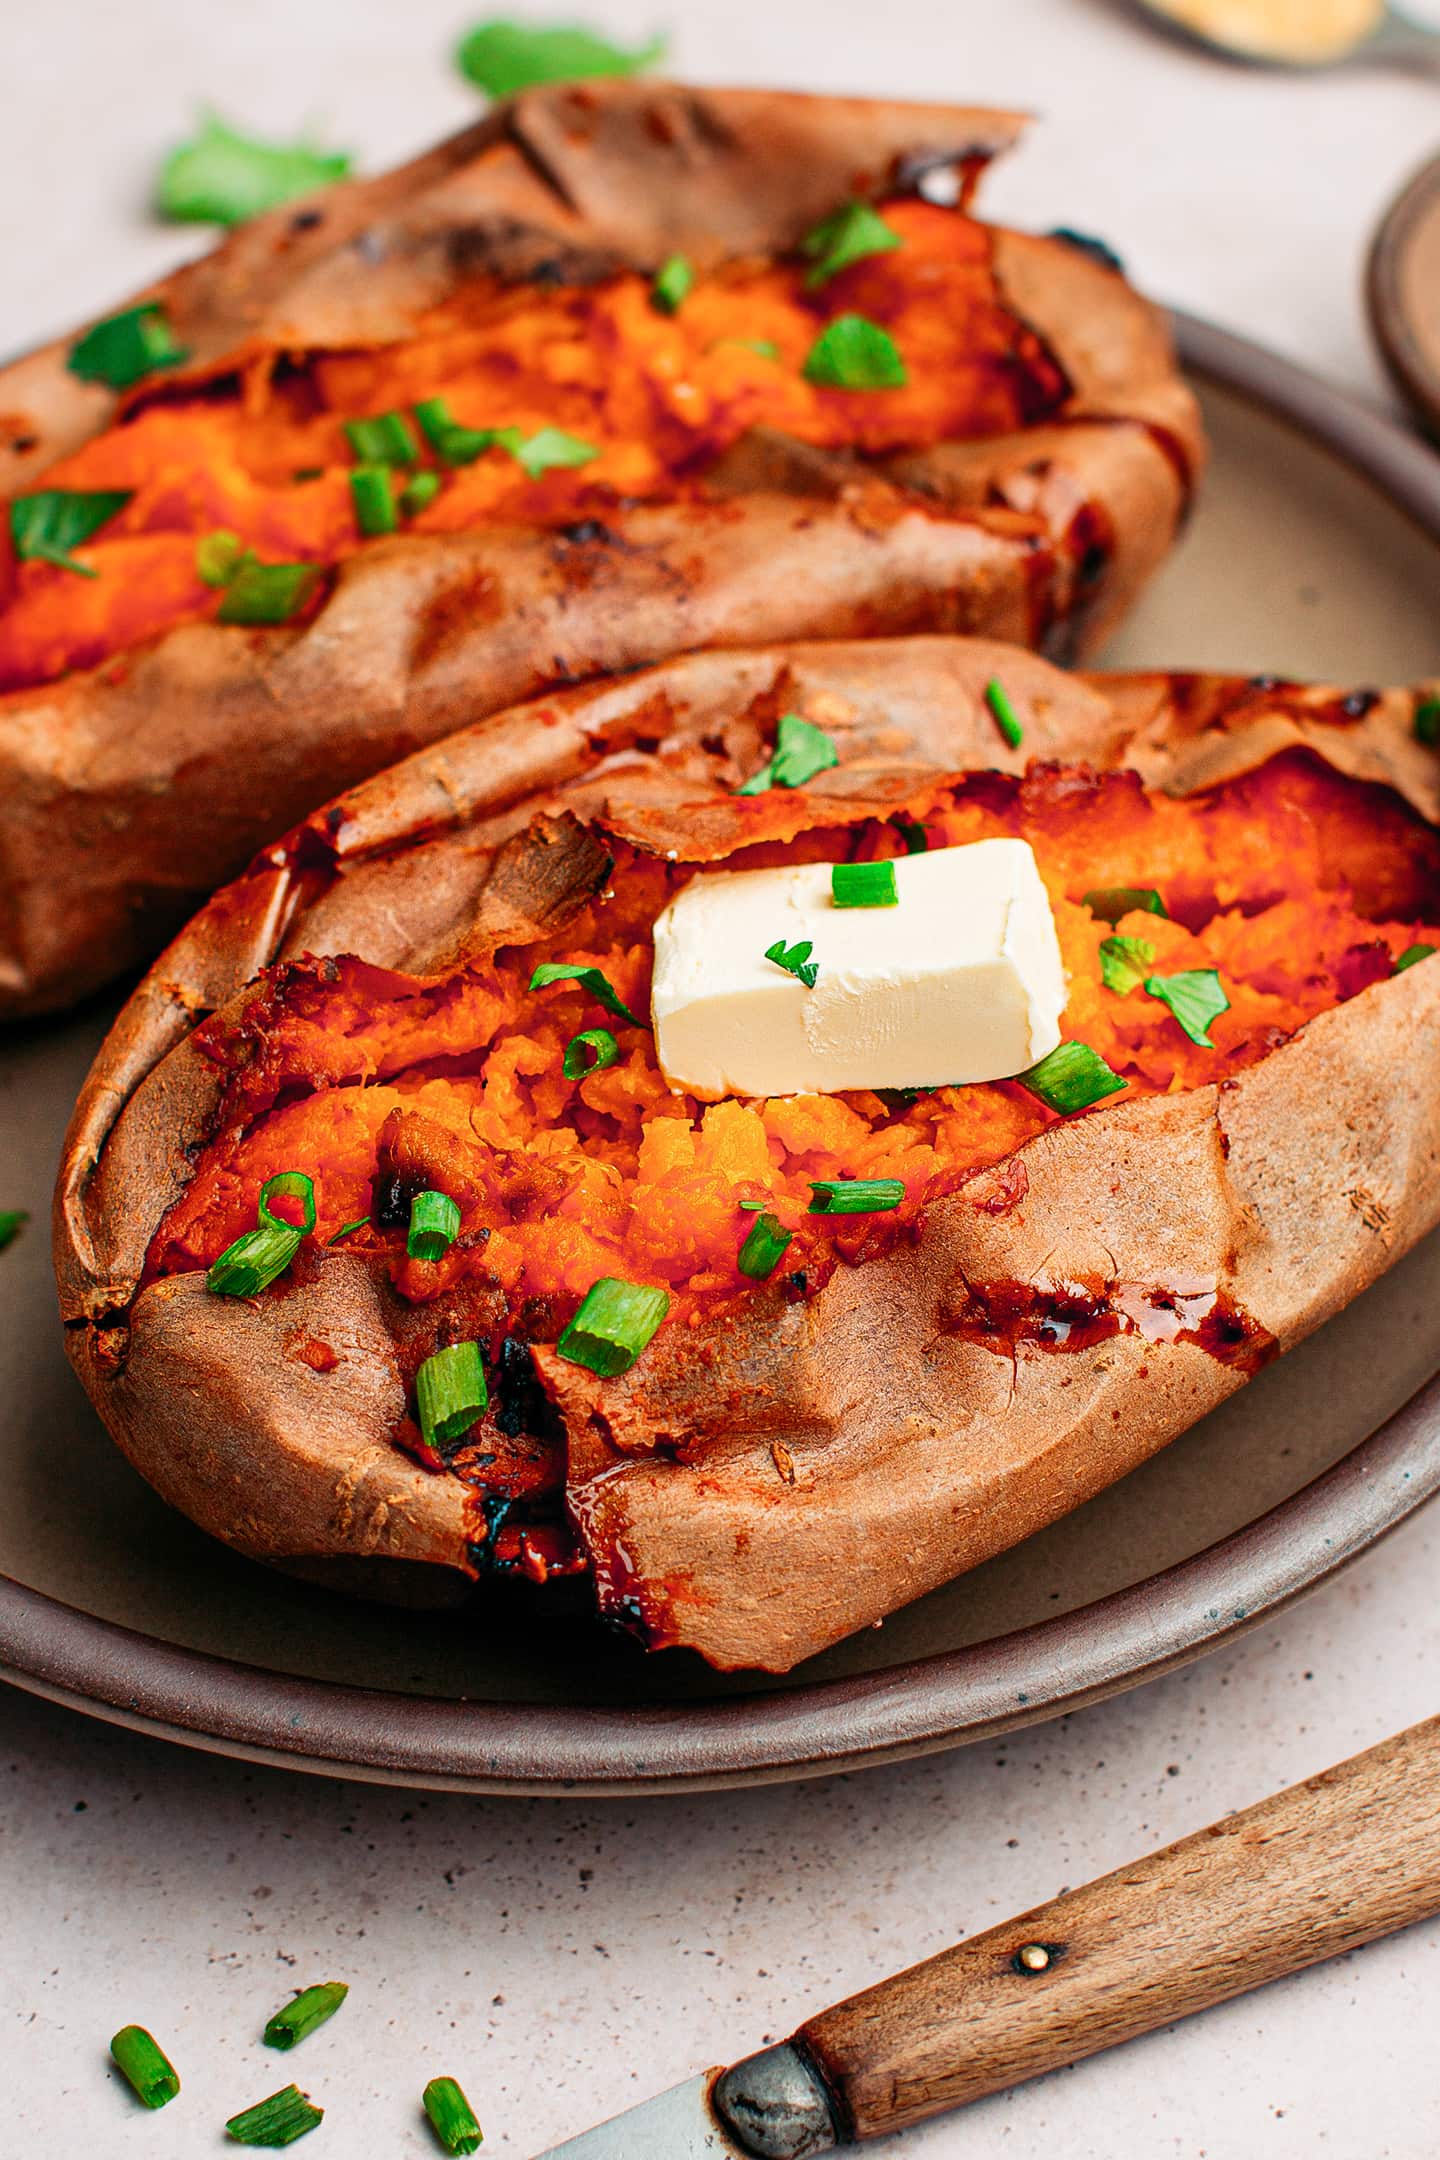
(1407, 959)
(847, 236)
(450, 1393)
(223, 177)
(590, 979)
(255, 1260)
(1427, 722)
(853, 353)
(764, 1248)
(12, 1222)
(347, 1228)
(434, 1226)
(997, 697)
(855, 1196)
(548, 447)
(863, 884)
(451, 2116)
(373, 492)
(290, 1185)
(268, 592)
(1123, 961)
(385, 438)
(765, 348)
(419, 492)
(126, 347)
(503, 57)
(915, 837)
(145, 2066)
(285, 2116)
(47, 525)
(1195, 997)
(1071, 1078)
(615, 1321)
(452, 442)
(219, 556)
(801, 751)
(673, 280)
(1108, 903)
(588, 1052)
(299, 2018)
(795, 960)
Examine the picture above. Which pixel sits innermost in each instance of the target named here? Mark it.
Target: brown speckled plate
(1316, 551)
(1403, 288)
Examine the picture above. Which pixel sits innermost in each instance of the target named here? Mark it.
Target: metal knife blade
(676, 2126)
(773, 2105)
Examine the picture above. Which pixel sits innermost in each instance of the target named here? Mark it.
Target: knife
(1316, 1870)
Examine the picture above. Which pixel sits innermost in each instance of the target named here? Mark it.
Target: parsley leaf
(1123, 961)
(795, 960)
(502, 57)
(47, 525)
(801, 751)
(1195, 997)
(847, 236)
(853, 353)
(222, 177)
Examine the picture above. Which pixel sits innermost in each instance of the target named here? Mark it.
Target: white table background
(565, 1958)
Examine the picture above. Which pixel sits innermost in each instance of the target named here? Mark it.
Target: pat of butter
(961, 981)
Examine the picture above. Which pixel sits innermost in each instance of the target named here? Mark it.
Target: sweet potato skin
(917, 1447)
(131, 787)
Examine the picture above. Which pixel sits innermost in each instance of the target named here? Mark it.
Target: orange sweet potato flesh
(1023, 482)
(1054, 1300)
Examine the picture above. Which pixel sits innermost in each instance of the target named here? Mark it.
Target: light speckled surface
(565, 1958)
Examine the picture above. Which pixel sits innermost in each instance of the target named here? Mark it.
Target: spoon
(1303, 33)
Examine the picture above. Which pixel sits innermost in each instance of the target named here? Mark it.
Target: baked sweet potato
(612, 469)
(907, 1393)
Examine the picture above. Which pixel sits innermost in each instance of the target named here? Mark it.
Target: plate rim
(334, 1728)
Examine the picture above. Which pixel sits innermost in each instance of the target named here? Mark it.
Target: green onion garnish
(450, 1393)
(222, 178)
(347, 1228)
(285, 2116)
(997, 697)
(219, 556)
(1123, 961)
(451, 2116)
(915, 837)
(434, 1226)
(254, 1261)
(12, 1222)
(385, 438)
(503, 57)
(795, 960)
(299, 2018)
(548, 447)
(126, 347)
(801, 751)
(763, 347)
(1427, 722)
(863, 884)
(856, 1196)
(673, 280)
(47, 525)
(268, 592)
(764, 1248)
(372, 490)
(615, 1321)
(1407, 959)
(847, 236)
(590, 979)
(1108, 903)
(853, 353)
(1195, 997)
(1071, 1078)
(589, 1051)
(419, 492)
(145, 2066)
(453, 443)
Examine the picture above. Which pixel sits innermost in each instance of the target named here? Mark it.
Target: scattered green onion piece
(46, 526)
(855, 1196)
(588, 1052)
(347, 1228)
(847, 236)
(502, 57)
(673, 281)
(997, 697)
(1123, 961)
(252, 1263)
(385, 438)
(863, 884)
(434, 1226)
(451, 442)
(299, 2018)
(127, 347)
(801, 751)
(1408, 959)
(764, 1248)
(615, 1321)
(451, 2116)
(763, 347)
(450, 1393)
(853, 353)
(1109, 903)
(372, 490)
(1195, 997)
(418, 493)
(751, 1207)
(915, 837)
(1071, 1078)
(145, 2066)
(268, 592)
(547, 448)
(795, 960)
(289, 1185)
(223, 177)
(12, 1222)
(590, 979)
(219, 556)
(1427, 722)
(285, 2116)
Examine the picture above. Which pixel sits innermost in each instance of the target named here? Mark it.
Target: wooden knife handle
(1321, 1868)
